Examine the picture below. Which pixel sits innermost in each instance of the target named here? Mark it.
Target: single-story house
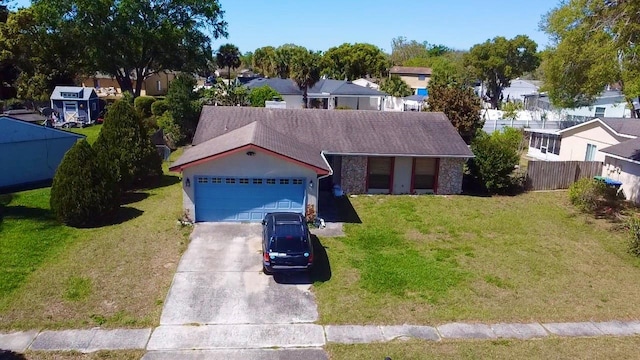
(519, 88)
(26, 115)
(75, 104)
(613, 141)
(544, 144)
(30, 153)
(325, 94)
(416, 77)
(245, 162)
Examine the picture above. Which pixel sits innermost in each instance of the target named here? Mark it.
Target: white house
(519, 88)
(325, 94)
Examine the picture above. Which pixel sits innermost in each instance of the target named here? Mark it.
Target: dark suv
(286, 243)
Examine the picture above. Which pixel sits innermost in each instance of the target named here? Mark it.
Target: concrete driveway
(220, 281)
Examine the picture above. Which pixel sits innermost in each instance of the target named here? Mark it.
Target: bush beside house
(496, 157)
(143, 105)
(84, 191)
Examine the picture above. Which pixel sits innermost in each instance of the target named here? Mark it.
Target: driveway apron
(220, 281)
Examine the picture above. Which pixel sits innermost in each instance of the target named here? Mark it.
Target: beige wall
(574, 143)
(241, 165)
(414, 82)
(151, 83)
(626, 172)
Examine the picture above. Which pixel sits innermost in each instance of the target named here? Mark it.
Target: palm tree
(305, 71)
(228, 56)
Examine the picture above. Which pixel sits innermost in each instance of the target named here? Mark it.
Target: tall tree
(351, 62)
(228, 56)
(284, 58)
(395, 86)
(184, 105)
(403, 50)
(305, 71)
(461, 105)
(264, 61)
(31, 59)
(496, 62)
(130, 40)
(246, 60)
(594, 44)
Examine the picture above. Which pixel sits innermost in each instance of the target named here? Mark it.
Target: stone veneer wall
(354, 174)
(450, 176)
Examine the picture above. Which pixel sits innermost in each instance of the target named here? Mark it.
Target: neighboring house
(157, 84)
(416, 77)
(246, 161)
(325, 94)
(519, 88)
(544, 144)
(30, 153)
(615, 142)
(366, 83)
(75, 104)
(610, 103)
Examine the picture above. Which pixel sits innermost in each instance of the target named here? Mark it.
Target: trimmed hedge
(84, 191)
(159, 107)
(143, 105)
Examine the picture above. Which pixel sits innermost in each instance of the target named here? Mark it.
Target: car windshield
(288, 244)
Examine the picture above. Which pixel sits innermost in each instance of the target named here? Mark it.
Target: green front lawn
(53, 276)
(436, 259)
(91, 132)
(552, 348)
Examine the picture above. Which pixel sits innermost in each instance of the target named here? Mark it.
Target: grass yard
(436, 259)
(553, 348)
(53, 276)
(91, 132)
(72, 355)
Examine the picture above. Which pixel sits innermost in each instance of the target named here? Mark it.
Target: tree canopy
(258, 96)
(284, 58)
(496, 62)
(395, 86)
(409, 52)
(461, 105)
(305, 71)
(264, 61)
(130, 40)
(228, 56)
(353, 61)
(595, 44)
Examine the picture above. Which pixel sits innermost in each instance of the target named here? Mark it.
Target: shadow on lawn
(320, 272)
(133, 197)
(10, 355)
(164, 181)
(25, 212)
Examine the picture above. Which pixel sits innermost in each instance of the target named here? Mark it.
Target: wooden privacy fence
(553, 175)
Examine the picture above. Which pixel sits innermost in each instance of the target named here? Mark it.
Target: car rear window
(287, 244)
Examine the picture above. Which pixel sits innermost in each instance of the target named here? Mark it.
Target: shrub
(258, 96)
(124, 144)
(590, 195)
(159, 107)
(634, 240)
(84, 192)
(183, 104)
(496, 157)
(171, 129)
(143, 105)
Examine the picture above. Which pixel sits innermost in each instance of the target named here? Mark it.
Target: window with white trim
(600, 111)
(298, 181)
(216, 180)
(229, 181)
(591, 152)
(257, 181)
(243, 181)
(203, 180)
(284, 181)
(159, 85)
(271, 181)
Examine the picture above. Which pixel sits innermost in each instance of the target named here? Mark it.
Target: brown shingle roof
(260, 135)
(410, 70)
(302, 134)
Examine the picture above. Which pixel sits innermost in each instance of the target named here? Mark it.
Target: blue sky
(319, 25)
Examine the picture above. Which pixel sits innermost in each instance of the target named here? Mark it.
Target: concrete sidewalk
(251, 340)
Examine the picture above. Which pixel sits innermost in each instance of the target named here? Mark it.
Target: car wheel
(266, 271)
